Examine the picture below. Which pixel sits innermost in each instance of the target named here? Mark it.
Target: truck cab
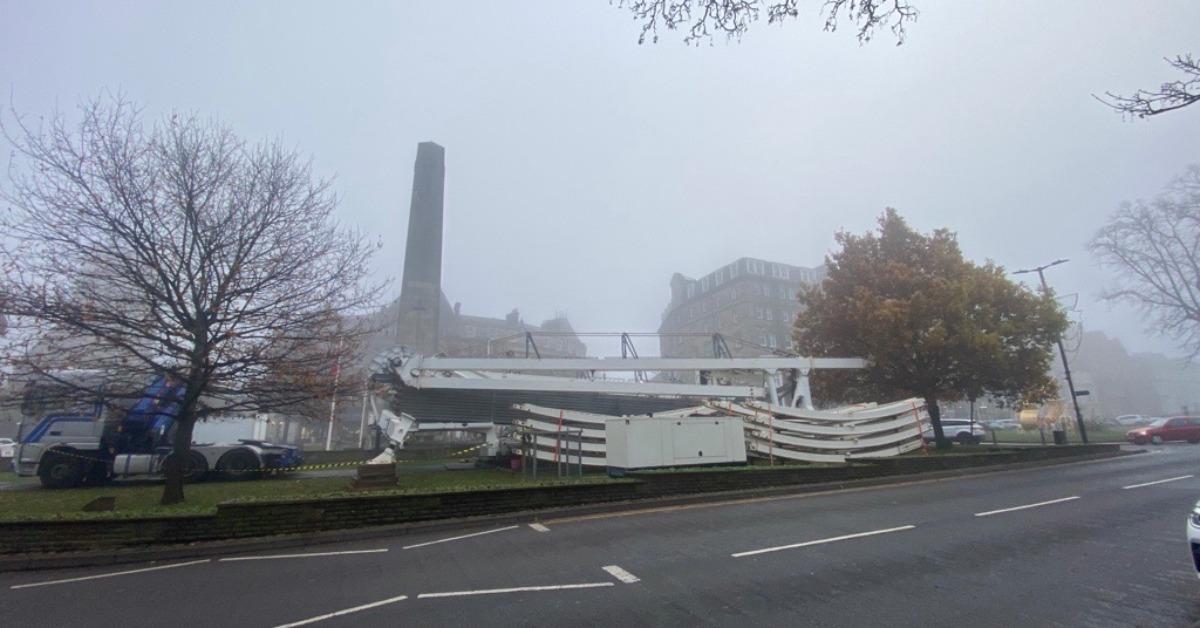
(115, 439)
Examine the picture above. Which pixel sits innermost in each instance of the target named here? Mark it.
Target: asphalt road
(1084, 552)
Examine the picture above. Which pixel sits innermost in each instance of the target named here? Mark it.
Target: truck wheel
(59, 471)
(239, 464)
(195, 467)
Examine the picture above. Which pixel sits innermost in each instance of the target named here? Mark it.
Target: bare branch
(1169, 96)
(701, 19)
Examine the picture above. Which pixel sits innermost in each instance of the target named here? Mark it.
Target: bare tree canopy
(1169, 96)
(175, 248)
(701, 19)
(1154, 248)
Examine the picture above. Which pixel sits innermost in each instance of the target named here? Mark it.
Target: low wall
(256, 519)
(667, 483)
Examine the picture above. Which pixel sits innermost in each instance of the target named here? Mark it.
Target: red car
(1163, 430)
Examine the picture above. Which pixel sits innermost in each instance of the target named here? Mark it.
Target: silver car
(962, 430)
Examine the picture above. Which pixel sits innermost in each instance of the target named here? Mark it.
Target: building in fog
(750, 302)
(467, 335)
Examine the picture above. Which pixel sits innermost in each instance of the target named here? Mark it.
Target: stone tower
(421, 288)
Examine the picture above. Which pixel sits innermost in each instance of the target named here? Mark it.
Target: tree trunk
(935, 419)
(180, 446)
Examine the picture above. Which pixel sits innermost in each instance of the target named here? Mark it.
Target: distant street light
(1061, 351)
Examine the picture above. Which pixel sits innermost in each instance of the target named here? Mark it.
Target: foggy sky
(583, 169)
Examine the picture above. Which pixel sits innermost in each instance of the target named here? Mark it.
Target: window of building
(755, 267)
(733, 270)
(779, 271)
(758, 313)
(771, 342)
(770, 314)
(691, 290)
(704, 306)
(719, 276)
(704, 284)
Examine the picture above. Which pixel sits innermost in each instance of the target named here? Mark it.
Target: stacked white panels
(851, 432)
(861, 431)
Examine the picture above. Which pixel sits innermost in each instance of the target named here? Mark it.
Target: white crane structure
(551, 396)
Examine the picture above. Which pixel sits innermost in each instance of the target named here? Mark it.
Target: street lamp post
(1061, 350)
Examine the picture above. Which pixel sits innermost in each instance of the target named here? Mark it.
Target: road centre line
(108, 575)
(821, 541)
(310, 555)
(1182, 477)
(552, 587)
(539, 527)
(346, 611)
(622, 575)
(464, 536)
(1045, 503)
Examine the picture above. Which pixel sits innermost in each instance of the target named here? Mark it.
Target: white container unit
(644, 442)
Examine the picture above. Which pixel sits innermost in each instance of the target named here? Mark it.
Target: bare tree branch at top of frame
(135, 250)
(1155, 250)
(1169, 96)
(701, 19)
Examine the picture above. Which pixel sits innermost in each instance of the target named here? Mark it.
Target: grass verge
(1096, 434)
(141, 499)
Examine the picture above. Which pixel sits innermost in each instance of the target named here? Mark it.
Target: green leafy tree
(930, 323)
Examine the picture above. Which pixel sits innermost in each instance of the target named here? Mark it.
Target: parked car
(1130, 420)
(1193, 534)
(8, 447)
(1004, 424)
(960, 430)
(1185, 428)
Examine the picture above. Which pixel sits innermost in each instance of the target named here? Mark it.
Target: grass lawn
(1096, 434)
(140, 499)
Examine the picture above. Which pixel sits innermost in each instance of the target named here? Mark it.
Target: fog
(584, 169)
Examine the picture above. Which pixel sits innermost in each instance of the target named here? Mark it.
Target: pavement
(1086, 544)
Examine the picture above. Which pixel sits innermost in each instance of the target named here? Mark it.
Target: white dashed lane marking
(622, 575)
(1045, 503)
(539, 527)
(108, 575)
(346, 611)
(309, 555)
(821, 541)
(460, 537)
(551, 587)
(1182, 477)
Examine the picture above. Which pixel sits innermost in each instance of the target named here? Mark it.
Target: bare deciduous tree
(176, 248)
(1169, 96)
(704, 18)
(1155, 250)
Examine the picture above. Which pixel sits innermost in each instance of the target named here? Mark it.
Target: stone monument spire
(421, 288)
